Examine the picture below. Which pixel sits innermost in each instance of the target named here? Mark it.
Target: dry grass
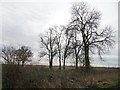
(42, 77)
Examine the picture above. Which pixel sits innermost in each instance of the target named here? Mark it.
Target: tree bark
(60, 64)
(50, 64)
(76, 62)
(87, 62)
(59, 61)
(51, 59)
(64, 63)
(18, 63)
(22, 63)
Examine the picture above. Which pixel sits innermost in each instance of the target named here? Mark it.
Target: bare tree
(48, 42)
(76, 44)
(86, 21)
(58, 41)
(23, 54)
(8, 55)
(67, 49)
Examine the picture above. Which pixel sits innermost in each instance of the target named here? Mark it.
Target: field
(31, 76)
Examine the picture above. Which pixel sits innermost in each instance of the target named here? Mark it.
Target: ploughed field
(37, 76)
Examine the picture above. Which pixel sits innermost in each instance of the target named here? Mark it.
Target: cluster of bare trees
(81, 38)
(78, 40)
(11, 55)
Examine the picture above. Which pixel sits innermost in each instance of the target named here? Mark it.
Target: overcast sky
(24, 20)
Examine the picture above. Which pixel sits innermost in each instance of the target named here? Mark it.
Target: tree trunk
(22, 63)
(64, 63)
(18, 63)
(76, 53)
(76, 62)
(59, 59)
(51, 62)
(59, 62)
(87, 62)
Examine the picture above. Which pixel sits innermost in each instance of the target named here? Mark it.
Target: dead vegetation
(43, 77)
